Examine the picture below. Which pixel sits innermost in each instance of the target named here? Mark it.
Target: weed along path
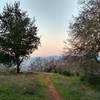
(52, 91)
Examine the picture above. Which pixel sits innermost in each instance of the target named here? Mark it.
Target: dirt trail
(52, 91)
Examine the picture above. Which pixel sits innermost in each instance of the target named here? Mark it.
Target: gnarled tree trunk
(18, 66)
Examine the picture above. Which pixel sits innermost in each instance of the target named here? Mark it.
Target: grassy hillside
(35, 87)
(71, 88)
(23, 87)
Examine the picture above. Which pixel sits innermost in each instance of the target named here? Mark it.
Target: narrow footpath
(52, 91)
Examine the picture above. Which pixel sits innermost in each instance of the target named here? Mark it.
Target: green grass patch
(71, 88)
(23, 87)
(41, 88)
(34, 87)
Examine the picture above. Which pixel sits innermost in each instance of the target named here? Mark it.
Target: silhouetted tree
(18, 35)
(85, 30)
(84, 37)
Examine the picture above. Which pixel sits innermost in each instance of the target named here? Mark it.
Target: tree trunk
(18, 66)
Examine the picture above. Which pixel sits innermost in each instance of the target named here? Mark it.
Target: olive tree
(18, 35)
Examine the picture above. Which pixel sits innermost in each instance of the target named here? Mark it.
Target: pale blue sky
(52, 18)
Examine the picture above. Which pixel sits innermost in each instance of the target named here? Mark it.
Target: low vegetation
(34, 87)
(75, 76)
(23, 87)
(71, 88)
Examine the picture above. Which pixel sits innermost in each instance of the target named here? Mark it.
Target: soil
(52, 91)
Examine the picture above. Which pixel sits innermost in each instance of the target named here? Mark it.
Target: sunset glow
(52, 19)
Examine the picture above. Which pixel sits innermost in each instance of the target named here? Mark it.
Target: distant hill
(35, 61)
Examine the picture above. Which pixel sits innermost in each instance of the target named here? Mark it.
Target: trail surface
(52, 91)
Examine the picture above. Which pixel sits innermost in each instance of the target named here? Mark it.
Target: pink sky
(49, 48)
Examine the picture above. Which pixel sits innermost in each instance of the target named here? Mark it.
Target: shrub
(67, 73)
(93, 79)
(82, 78)
(77, 74)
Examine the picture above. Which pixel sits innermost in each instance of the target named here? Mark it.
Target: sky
(52, 19)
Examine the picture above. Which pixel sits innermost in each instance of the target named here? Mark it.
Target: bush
(82, 78)
(67, 73)
(93, 79)
(58, 71)
(77, 74)
(53, 71)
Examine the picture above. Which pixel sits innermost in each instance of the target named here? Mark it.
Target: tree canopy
(85, 30)
(18, 35)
